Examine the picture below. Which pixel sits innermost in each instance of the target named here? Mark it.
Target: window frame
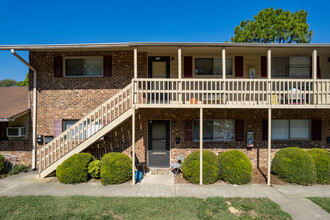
(214, 76)
(82, 57)
(68, 120)
(289, 133)
(287, 72)
(197, 140)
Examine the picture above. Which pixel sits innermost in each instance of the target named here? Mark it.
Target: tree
(25, 82)
(7, 82)
(274, 26)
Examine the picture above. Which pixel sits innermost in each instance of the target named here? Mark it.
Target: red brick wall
(22, 149)
(75, 97)
(120, 139)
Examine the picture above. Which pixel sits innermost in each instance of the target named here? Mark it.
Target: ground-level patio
(291, 198)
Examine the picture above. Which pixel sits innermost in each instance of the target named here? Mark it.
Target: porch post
(135, 63)
(314, 64)
(133, 146)
(269, 144)
(269, 63)
(135, 76)
(223, 63)
(180, 74)
(201, 146)
(179, 64)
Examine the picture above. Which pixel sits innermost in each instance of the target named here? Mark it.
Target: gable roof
(13, 101)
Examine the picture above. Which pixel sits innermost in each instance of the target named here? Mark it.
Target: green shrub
(2, 164)
(190, 167)
(115, 168)
(234, 167)
(322, 163)
(19, 169)
(294, 165)
(74, 169)
(94, 169)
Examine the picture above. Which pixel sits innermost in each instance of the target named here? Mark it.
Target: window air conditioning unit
(15, 132)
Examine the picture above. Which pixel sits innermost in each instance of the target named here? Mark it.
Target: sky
(81, 21)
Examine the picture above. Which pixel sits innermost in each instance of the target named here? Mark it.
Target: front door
(159, 143)
(158, 68)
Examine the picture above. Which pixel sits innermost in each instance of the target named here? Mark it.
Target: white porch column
(314, 64)
(135, 76)
(201, 146)
(223, 63)
(133, 146)
(179, 64)
(269, 63)
(135, 63)
(269, 144)
(180, 74)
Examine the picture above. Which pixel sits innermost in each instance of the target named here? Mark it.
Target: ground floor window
(215, 130)
(291, 129)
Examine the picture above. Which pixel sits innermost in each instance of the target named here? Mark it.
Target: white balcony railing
(232, 92)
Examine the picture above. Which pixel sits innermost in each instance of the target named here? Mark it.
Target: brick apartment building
(149, 98)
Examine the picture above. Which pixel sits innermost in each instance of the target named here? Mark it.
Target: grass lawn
(80, 207)
(324, 202)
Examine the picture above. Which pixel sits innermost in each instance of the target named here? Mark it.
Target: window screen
(280, 129)
(212, 66)
(84, 67)
(299, 129)
(216, 130)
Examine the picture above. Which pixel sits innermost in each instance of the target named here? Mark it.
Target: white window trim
(195, 140)
(81, 57)
(296, 139)
(214, 76)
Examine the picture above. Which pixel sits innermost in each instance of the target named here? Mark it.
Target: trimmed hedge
(94, 168)
(74, 169)
(115, 168)
(190, 167)
(2, 164)
(294, 165)
(234, 167)
(322, 163)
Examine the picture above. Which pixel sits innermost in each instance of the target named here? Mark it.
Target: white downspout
(34, 107)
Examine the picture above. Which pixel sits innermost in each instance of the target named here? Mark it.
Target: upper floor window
(89, 66)
(212, 66)
(293, 67)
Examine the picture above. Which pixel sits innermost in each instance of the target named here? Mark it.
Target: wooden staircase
(87, 131)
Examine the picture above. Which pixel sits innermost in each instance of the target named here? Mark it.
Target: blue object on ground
(138, 176)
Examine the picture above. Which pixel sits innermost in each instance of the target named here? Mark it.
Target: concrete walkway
(289, 197)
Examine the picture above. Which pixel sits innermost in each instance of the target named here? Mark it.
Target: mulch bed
(259, 176)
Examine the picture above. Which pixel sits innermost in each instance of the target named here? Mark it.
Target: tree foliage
(274, 26)
(7, 82)
(25, 82)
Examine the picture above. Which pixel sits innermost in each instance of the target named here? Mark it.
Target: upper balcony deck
(231, 93)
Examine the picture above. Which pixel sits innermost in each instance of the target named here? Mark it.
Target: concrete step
(160, 171)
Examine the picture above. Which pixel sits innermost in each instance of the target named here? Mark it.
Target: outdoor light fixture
(173, 123)
(172, 59)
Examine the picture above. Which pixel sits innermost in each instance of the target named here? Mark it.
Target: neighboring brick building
(166, 86)
(15, 124)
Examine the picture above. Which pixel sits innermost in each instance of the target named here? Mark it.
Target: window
(215, 130)
(68, 123)
(293, 67)
(293, 129)
(84, 66)
(212, 66)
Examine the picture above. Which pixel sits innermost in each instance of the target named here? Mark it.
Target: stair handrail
(66, 135)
